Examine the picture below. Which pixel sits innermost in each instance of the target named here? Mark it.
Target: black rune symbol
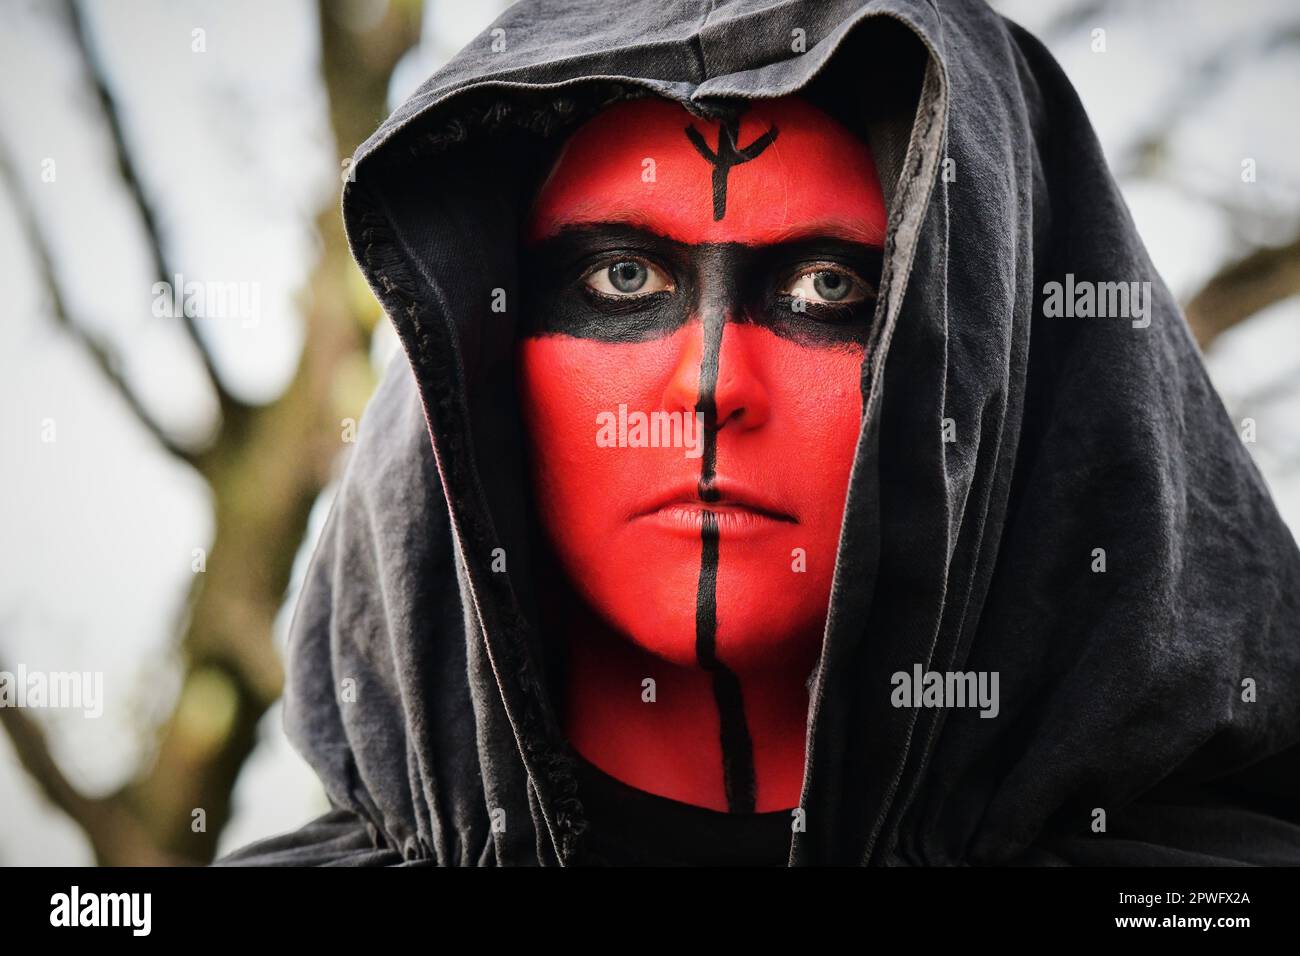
(729, 154)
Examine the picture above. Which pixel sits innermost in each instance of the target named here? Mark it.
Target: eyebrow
(849, 230)
(845, 230)
(577, 221)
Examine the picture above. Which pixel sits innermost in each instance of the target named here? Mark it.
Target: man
(920, 573)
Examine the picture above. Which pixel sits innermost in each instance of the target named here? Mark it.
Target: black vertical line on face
(737, 748)
(707, 405)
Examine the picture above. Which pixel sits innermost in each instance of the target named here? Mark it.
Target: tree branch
(111, 828)
(230, 406)
(1241, 289)
(101, 357)
(34, 754)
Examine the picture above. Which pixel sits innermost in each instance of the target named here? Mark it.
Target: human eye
(627, 277)
(827, 283)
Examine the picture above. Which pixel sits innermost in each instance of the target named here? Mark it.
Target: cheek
(586, 493)
(816, 412)
(565, 384)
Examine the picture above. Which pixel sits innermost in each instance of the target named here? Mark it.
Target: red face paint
(815, 178)
(718, 556)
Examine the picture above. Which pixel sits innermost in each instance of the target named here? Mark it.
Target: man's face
(707, 288)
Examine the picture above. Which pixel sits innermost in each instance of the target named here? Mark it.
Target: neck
(668, 740)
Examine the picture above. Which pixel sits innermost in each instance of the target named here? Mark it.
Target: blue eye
(628, 278)
(830, 285)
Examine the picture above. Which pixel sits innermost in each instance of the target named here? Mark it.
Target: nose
(718, 375)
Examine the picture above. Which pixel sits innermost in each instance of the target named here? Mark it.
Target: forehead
(635, 163)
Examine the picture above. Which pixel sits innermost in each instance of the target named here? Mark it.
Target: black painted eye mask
(618, 283)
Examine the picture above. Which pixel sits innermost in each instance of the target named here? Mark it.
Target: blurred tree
(1263, 274)
(265, 466)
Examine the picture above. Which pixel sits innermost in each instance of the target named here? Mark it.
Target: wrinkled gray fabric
(418, 688)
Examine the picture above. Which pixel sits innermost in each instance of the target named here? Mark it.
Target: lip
(736, 510)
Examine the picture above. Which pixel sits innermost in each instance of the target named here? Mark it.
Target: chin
(751, 642)
(763, 618)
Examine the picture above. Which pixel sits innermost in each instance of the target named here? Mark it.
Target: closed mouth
(727, 516)
(731, 510)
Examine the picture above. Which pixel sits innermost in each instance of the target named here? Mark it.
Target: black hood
(1164, 690)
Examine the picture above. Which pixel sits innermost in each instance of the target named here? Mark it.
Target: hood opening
(433, 217)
